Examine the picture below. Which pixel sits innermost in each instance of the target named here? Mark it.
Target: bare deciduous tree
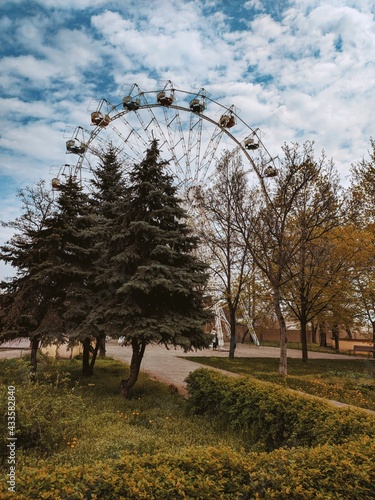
(267, 224)
(226, 255)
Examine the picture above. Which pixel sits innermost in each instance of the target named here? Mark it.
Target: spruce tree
(108, 184)
(53, 291)
(107, 194)
(25, 298)
(74, 236)
(157, 278)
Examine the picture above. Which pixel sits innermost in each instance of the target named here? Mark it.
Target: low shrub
(351, 381)
(270, 416)
(46, 418)
(69, 419)
(326, 472)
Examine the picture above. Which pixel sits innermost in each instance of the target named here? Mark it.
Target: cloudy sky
(298, 70)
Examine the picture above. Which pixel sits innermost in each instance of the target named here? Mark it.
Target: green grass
(298, 346)
(78, 438)
(67, 419)
(348, 381)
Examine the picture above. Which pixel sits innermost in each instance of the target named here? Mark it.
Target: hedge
(325, 472)
(270, 416)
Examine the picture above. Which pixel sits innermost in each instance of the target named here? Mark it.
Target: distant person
(215, 340)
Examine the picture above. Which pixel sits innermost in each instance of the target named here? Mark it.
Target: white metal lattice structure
(192, 130)
(249, 324)
(222, 325)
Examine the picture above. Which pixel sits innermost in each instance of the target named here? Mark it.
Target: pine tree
(108, 183)
(25, 300)
(157, 279)
(53, 291)
(73, 238)
(109, 190)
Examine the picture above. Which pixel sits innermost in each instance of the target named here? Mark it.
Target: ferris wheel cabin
(227, 121)
(130, 104)
(270, 171)
(97, 118)
(56, 184)
(251, 144)
(75, 146)
(197, 106)
(164, 99)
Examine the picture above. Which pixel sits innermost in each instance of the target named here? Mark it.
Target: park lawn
(349, 381)
(77, 438)
(65, 418)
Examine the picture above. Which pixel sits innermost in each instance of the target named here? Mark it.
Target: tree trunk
(138, 350)
(244, 336)
(95, 353)
(314, 328)
(305, 355)
(33, 359)
(373, 337)
(303, 325)
(283, 363)
(102, 351)
(349, 332)
(86, 368)
(232, 344)
(335, 334)
(323, 335)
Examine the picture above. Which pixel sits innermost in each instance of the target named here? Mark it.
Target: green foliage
(157, 279)
(45, 413)
(95, 446)
(270, 416)
(348, 381)
(67, 418)
(325, 472)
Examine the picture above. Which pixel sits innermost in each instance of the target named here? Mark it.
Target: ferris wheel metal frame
(191, 145)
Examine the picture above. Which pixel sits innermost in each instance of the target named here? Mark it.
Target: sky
(298, 70)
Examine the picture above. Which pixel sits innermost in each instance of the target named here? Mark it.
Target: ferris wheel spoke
(165, 142)
(194, 143)
(209, 153)
(177, 139)
(130, 138)
(190, 141)
(145, 127)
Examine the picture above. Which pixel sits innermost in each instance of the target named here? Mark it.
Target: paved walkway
(15, 349)
(166, 365)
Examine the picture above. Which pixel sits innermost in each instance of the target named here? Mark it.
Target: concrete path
(166, 365)
(14, 349)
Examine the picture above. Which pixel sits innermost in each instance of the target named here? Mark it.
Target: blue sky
(299, 70)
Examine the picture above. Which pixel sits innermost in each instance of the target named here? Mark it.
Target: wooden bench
(363, 348)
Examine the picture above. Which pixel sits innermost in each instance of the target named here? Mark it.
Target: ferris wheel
(192, 129)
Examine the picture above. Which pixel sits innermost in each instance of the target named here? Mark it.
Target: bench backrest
(365, 348)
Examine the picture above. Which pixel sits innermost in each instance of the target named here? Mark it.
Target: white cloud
(169, 44)
(29, 67)
(303, 70)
